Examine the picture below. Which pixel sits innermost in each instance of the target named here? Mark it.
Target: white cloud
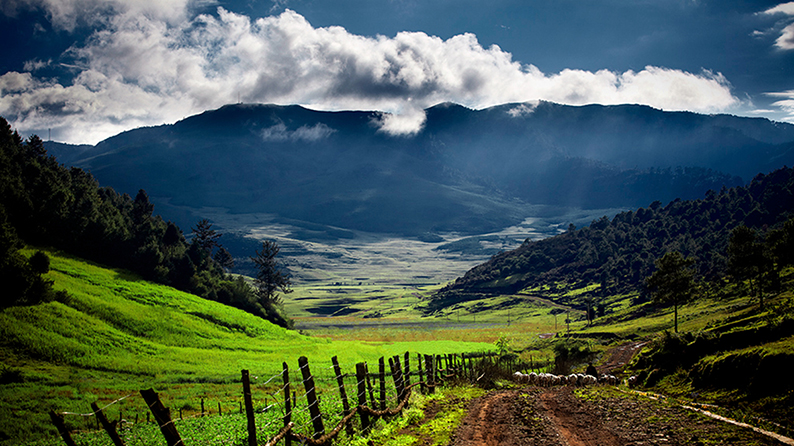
(786, 103)
(783, 8)
(407, 123)
(36, 64)
(520, 110)
(786, 39)
(69, 14)
(144, 69)
(280, 133)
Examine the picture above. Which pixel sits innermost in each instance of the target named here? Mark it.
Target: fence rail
(292, 420)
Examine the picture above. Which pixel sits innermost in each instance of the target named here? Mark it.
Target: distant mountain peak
(470, 171)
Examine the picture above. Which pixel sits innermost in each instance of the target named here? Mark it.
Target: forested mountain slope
(43, 203)
(466, 171)
(618, 254)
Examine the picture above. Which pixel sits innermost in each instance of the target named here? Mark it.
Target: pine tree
(205, 236)
(673, 282)
(224, 259)
(270, 277)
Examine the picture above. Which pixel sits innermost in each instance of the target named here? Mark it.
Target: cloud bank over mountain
(146, 63)
(786, 39)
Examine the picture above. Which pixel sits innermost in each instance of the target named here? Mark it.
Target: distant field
(319, 255)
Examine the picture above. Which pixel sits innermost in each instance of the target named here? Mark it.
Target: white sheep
(589, 380)
(562, 380)
(521, 377)
(546, 379)
(608, 379)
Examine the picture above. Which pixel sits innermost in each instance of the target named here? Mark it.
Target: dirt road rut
(562, 416)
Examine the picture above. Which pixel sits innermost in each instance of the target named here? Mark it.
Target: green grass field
(117, 334)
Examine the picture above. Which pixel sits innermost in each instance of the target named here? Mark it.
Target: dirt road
(596, 416)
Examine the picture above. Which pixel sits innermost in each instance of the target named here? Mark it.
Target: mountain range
(466, 171)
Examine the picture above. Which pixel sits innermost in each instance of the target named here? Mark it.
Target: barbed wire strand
(278, 375)
(91, 414)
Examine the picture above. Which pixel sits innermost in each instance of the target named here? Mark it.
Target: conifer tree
(205, 236)
(673, 282)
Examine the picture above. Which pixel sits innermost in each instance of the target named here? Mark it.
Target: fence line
(304, 418)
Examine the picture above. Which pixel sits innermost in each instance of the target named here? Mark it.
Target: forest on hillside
(43, 203)
(619, 254)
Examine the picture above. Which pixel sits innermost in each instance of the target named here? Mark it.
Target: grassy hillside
(116, 334)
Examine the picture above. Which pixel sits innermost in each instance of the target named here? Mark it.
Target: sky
(80, 71)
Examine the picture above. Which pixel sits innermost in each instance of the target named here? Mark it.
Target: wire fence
(309, 404)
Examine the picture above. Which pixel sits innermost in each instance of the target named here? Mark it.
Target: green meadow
(116, 334)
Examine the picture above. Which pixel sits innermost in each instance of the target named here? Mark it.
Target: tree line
(43, 203)
(751, 262)
(621, 253)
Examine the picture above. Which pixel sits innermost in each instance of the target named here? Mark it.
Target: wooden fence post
(430, 374)
(249, 408)
(369, 387)
(162, 416)
(361, 376)
(407, 374)
(311, 397)
(396, 373)
(436, 369)
(382, 379)
(57, 420)
(400, 376)
(109, 428)
(421, 374)
(340, 382)
(287, 403)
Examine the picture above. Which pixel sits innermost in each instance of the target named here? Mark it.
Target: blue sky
(88, 69)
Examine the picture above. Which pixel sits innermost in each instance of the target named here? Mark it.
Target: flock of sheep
(574, 379)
